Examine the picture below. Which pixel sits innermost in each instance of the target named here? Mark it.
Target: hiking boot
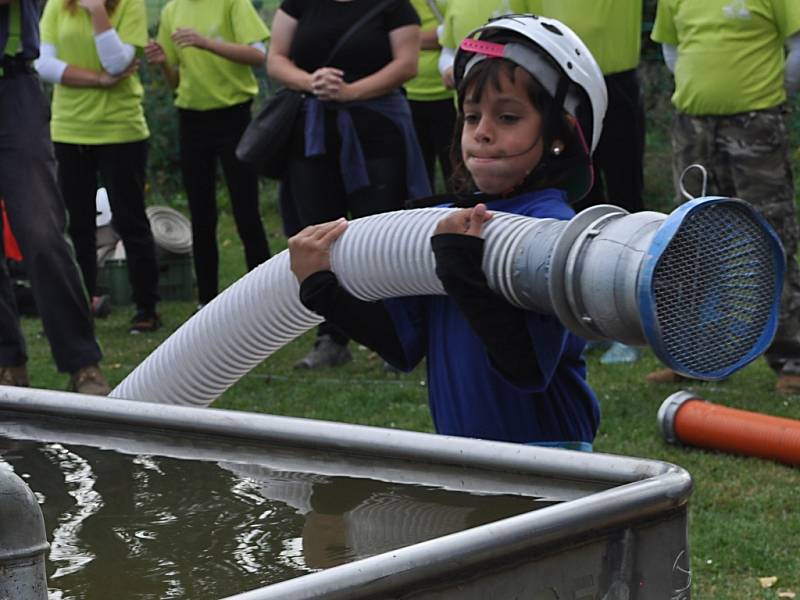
(144, 321)
(89, 380)
(325, 353)
(665, 376)
(17, 376)
(101, 306)
(788, 385)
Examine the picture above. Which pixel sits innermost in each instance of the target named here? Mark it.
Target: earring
(557, 149)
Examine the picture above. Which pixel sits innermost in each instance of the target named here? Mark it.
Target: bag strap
(376, 8)
(437, 13)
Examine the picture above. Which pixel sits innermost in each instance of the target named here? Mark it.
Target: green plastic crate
(175, 279)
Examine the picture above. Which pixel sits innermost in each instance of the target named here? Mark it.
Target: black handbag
(265, 143)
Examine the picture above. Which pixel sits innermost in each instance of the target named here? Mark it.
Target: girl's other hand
(466, 221)
(186, 37)
(154, 53)
(310, 250)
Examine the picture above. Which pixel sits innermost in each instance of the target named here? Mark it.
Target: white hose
(381, 256)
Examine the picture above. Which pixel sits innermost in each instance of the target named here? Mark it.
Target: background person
(355, 110)
(494, 371)
(731, 79)
(36, 213)
(463, 16)
(206, 49)
(432, 104)
(98, 126)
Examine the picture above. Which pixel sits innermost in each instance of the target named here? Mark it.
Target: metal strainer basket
(709, 289)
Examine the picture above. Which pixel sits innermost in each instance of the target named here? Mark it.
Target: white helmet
(556, 57)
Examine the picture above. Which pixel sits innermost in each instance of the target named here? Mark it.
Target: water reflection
(149, 527)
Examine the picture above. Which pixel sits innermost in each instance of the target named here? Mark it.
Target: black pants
(316, 187)
(435, 123)
(121, 169)
(619, 157)
(206, 136)
(37, 217)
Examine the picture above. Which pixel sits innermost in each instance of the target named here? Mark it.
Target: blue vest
(467, 395)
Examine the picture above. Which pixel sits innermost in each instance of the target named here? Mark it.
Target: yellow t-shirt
(612, 29)
(462, 16)
(730, 52)
(427, 85)
(95, 115)
(208, 81)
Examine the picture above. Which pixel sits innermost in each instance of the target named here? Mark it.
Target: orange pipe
(689, 420)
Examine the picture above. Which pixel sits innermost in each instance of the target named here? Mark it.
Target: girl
(206, 49)
(527, 90)
(98, 126)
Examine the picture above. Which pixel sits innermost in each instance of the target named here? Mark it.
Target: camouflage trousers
(747, 156)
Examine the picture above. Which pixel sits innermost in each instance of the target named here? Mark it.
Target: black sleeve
(293, 8)
(501, 326)
(399, 14)
(368, 323)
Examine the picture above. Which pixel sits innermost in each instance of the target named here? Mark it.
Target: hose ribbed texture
(381, 256)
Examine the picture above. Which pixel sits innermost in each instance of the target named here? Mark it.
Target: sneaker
(788, 385)
(17, 376)
(144, 322)
(101, 306)
(89, 380)
(665, 376)
(620, 353)
(325, 353)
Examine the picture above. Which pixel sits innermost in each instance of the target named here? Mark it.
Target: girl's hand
(466, 221)
(310, 250)
(327, 82)
(186, 37)
(92, 6)
(154, 53)
(107, 80)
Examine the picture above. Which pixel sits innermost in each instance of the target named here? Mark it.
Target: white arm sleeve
(446, 59)
(114, 55)
(792, 70)
(670, 54)
(48, 65)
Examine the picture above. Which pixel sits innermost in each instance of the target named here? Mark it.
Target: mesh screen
(714, 288)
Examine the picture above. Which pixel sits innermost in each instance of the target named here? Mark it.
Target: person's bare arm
(79, 77)
(239, 53)
(429, 40)
(279, 65)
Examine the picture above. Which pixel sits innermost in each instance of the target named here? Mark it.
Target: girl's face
(501, 140)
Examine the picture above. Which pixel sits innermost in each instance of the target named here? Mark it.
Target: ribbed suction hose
(706, 304)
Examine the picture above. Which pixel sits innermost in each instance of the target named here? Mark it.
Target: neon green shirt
(612, 29)
(95, 115)
(730, 52)
(208, 81)
(427, 85)
(462, 16)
